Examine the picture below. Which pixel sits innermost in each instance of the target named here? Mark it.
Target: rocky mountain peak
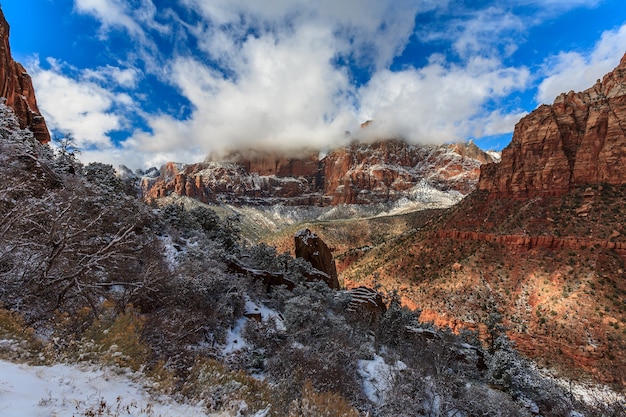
(580, 139)
(17, 88)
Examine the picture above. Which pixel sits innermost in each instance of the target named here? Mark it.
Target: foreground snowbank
(66, 390)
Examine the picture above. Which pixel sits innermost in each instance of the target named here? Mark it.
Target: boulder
(313, 249)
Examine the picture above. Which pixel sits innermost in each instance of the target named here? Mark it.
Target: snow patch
(377, 377)
(170, 252)
(305, 235)
(235, 341)
(269, 315)
(496, 156)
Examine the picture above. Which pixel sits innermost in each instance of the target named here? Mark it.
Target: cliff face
(388, 170)
(580, 139)
(357, 174)
(17, 87)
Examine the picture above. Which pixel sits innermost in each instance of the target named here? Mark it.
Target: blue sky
(142, 82)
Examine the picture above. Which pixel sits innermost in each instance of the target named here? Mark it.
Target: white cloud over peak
(439, 103)
(280, 96)
(578, 71)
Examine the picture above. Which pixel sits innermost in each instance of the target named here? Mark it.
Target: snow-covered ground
(64, 390)
(378, 377)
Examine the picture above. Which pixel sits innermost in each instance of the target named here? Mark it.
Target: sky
(143, 82)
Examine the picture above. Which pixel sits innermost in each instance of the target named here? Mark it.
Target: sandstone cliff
(580, 139)
(388, 170)
(17, 88)
(380, 172)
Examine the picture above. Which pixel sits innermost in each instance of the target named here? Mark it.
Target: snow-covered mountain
(392, 173)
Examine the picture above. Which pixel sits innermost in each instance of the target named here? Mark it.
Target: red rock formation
(384, 171)
(278, 164)
(17, 88)
(311, 248)
(357, 174)
(366, 302)
(580, 139)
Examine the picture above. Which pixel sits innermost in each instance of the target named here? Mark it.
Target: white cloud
(81, 107)
(378, 30)
(499, 122)
(266, 74)
(282, 88)
(112, 13)
(578, 71)
(558, 5)
(280, 97)
(485, 30)
(126, 78)
(134, 17)
(438, 103)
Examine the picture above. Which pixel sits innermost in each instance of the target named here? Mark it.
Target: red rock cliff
(16, 86)
(357, 174)
(386, 170)
(579, 139)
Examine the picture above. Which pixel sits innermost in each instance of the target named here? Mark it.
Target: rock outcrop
(17, 88)
(531, 242)
(366, 302)
(580, 139)
(311, 248)
(381, 172)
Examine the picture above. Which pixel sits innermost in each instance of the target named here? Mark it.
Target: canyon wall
(580, 139)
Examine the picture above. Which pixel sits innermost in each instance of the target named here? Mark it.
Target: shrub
(116, 339)
(320, 404)
(17, 340)
(224, 390)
